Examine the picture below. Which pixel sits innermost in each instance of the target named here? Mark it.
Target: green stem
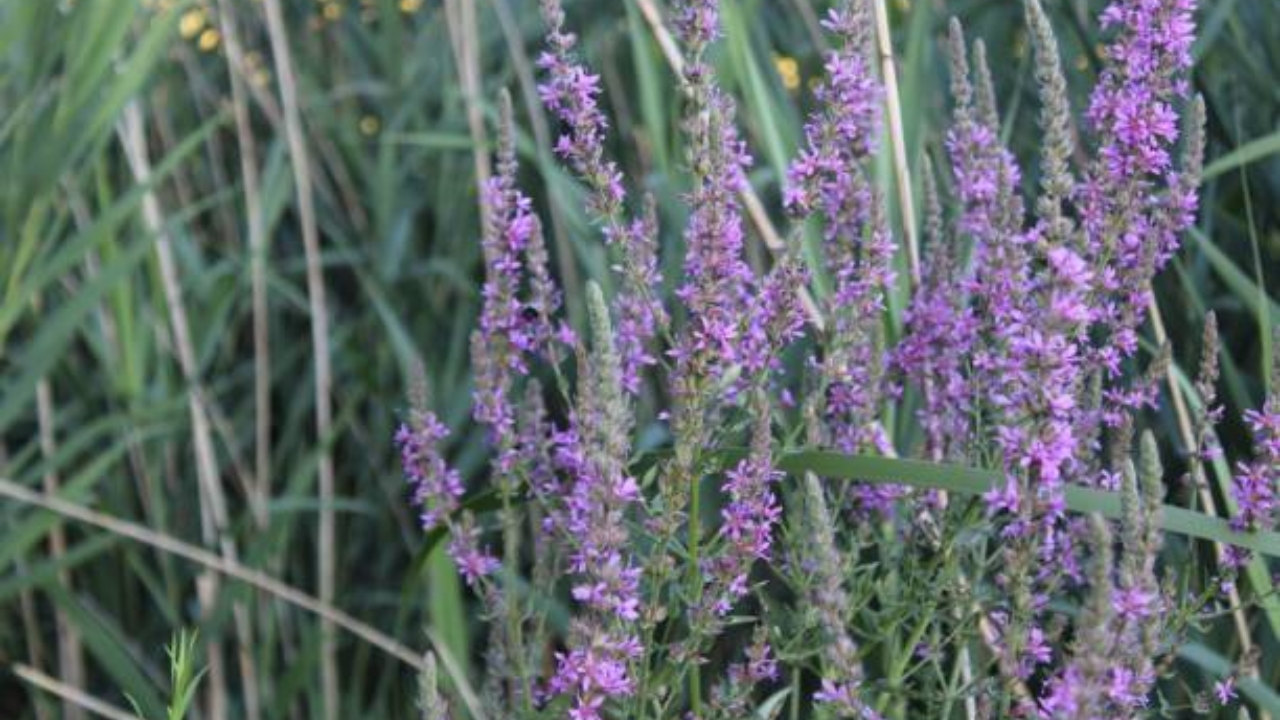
(695, 577)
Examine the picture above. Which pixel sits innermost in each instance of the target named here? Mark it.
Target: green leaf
(971, 481)
(1250, 152)
(107, 644)
(47, 571)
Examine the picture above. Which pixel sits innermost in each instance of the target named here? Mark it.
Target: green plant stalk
(515, 635)
(695, 578)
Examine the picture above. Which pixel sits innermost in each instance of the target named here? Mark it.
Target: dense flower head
(716, 277)
(940, 328)
(592, 451)
(846, 128)
(436, 487)
(1135, 203)
(571, 93)
(1020, 338)
(594, 673)
(639, 309)
(775, 317)
(698, 22)
(749, 518)
(829, 181)
(518, 297)
(1131, 105)
(1256, 486)
(469, 555)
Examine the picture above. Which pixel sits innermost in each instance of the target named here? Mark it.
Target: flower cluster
(593, 452)
(571, 93)
(436, 487)
(660, 556)
(513, 327)
(1257, 483)
(940, 329)
(829, 180)
(1135, 202)
(437, 491)
(749, 518)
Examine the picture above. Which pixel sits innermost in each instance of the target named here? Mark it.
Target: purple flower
(1135, 604)
(1127, 689)
(1134, 203)
(472, 560)
(938, 342)
(717, 280)
(571, 93)
(829, 181)
(845, 130)
(592, 452)
(749, 518)
(1225, 690)
(775, 317)
(843, 697)
(515, 322)
(761, 666)
(436, 487)
(1257, 483)
(595, 673)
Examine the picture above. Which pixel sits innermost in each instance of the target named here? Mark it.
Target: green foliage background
(83, 313)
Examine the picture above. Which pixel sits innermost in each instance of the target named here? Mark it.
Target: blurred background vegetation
(130, 184)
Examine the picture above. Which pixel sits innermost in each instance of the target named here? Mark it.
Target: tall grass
(105, 401)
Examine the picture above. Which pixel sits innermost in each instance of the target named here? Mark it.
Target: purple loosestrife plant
(514, 327)
(1135, 202)
(829, 180)
(842, 672)
(436, 488)
(639, 557)
(603, 642)
(940, 332)
(571, 93)
(748, 519)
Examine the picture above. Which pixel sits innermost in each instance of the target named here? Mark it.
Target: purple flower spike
(519, 297)
(571, 93)
(1257, 483)
(436, 487)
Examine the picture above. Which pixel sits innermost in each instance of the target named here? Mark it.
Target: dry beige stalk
(70, 652)
(213, 503)
(300, 158)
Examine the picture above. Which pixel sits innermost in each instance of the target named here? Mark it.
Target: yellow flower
(332, 11)
(410, 6)
(209, 39)
(260, 77)
(788, 70)
(370, 125)
(192, 23)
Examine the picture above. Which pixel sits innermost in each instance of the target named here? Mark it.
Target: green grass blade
(971, 481)
(59, 328)
(106, 644)
(1249, 153)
